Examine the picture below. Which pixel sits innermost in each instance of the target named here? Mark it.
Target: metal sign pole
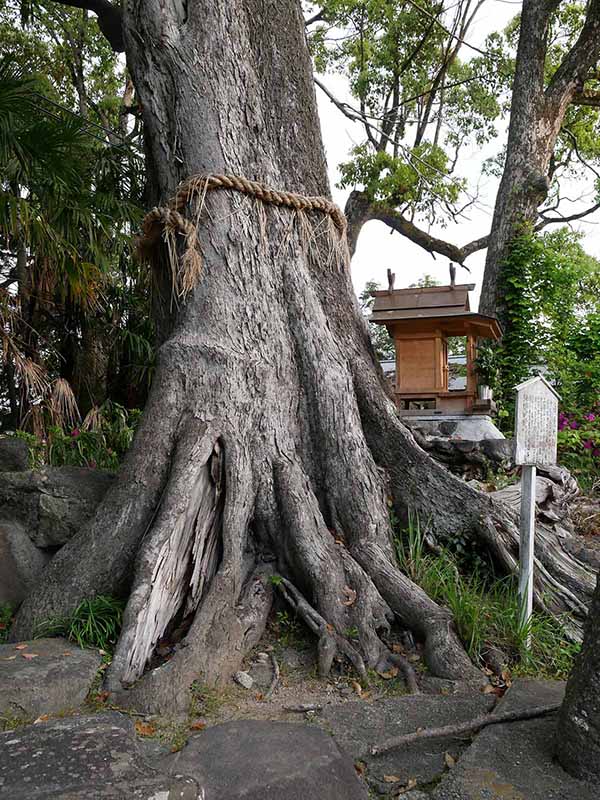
(527, 548)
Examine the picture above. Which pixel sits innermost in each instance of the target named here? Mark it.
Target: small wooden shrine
(420, 320)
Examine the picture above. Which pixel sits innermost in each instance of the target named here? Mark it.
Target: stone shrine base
(471, 427)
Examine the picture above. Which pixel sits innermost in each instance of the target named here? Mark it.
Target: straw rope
(169, 221)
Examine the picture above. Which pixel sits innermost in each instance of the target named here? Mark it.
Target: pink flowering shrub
(579, 444)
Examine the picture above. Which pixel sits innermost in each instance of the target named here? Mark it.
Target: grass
(94, 623)
(486, 612)
(6, 615)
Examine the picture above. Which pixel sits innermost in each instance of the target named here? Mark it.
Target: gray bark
(268, 443)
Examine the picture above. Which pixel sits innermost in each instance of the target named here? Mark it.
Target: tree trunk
(578, 735)
(268, 443)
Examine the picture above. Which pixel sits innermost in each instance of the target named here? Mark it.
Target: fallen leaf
(350, 596)
(198, 725)
(41, 718)
(144, 728)
(102, 652)
(489, 689)
(102, 697)
(357, 687)
(259, 696)
(391, 779)
(29, 656)
(67, 653)
(410, 785)
(9, 658)
(360, 767)
(449, 760)
(21, 646)
(389, 673)
(339, 541)
(365, 695)
(329, 627)
(397, 648)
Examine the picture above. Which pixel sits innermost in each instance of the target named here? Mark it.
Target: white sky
(378, 249)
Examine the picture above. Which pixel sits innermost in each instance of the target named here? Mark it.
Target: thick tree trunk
(268, 443)
(578, 735)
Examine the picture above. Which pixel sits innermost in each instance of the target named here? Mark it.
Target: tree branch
(586, 97)
(399, 223)
(570, 76)
(110, 19)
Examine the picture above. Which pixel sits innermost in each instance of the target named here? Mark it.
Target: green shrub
(100, 442)
(94, 623)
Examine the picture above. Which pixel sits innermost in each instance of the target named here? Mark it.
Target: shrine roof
(419, 302)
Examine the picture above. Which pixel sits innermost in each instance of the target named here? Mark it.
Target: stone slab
(262, 760)
(356, 726)
(57, 678)
(83, 757)
(515, 761)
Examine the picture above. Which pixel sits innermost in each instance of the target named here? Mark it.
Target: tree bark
(269, 443)
(578, 735)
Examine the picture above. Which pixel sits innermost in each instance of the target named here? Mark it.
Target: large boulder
(14, 454)
(21, 563)
(54, 502)
(44, 676)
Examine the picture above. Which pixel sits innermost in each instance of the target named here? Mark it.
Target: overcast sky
(377, 248)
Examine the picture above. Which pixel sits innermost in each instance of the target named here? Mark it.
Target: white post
(527, 530)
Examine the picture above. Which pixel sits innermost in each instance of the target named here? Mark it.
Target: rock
(356, 726)
(261, 674)
(83, 757)
(14, 454)
(470, 427)
(44, 676)
(243, 679)
(515, 761)
(21, 563)
(261, 760)
(54, 502)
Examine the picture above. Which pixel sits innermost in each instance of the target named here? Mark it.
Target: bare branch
(399, 223)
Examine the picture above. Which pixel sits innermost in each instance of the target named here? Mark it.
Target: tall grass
(94, 623)
(486, 613)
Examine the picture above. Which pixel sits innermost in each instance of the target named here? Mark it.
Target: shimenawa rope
(169, 221)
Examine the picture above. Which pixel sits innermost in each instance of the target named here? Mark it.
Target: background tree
(78, 304)
(268, 442)
(426, 95)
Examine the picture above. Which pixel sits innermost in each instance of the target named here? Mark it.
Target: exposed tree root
(471, 726)
(275, 679)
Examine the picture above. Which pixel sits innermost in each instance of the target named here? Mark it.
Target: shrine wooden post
(535, 445)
